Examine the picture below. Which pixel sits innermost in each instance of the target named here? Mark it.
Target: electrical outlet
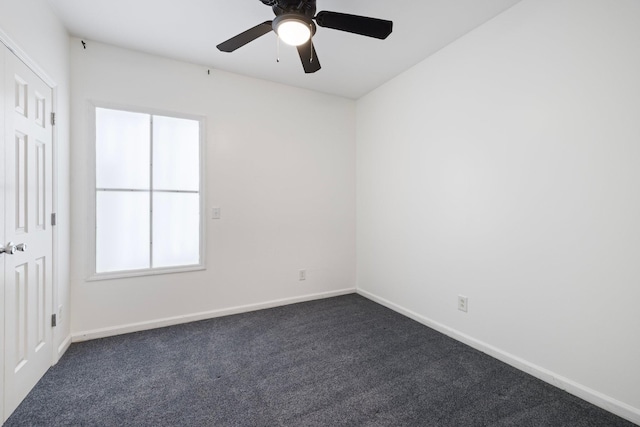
(215, 213)
(302, 275)
(463, 303)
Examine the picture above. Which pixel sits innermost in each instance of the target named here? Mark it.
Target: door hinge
(53, 119)
(54, 321)
(54, 219)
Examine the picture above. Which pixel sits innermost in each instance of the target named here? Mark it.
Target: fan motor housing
(301, 7)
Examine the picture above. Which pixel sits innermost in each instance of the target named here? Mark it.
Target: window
(148, 207)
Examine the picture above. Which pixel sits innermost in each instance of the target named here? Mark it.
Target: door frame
(13, 47)
(2, 231)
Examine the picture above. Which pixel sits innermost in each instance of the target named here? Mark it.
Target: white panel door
(28, 203)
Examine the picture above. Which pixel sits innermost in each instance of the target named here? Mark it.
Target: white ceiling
(352, 65)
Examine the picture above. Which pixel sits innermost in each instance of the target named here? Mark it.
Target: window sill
(142, 273)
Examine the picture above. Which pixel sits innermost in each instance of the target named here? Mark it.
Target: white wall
(506, 168)
(33, 28)
(279, 163)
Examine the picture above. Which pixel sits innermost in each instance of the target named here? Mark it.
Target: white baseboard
(62, 348)
(176, 320)
(592, 396)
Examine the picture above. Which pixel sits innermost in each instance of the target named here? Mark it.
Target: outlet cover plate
(463, 303)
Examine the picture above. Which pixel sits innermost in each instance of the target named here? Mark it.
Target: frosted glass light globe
(294, 32)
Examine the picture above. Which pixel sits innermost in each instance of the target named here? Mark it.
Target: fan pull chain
(278, 49)
(311, 44)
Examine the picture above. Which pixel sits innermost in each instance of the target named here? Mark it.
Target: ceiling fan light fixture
(295, 24)
(293, 29)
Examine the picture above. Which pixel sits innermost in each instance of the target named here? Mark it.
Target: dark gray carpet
(342, 361)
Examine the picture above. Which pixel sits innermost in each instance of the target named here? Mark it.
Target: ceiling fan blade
(309, 57)
(243, 38)
(371, 27)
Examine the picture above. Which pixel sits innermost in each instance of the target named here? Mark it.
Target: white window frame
(92, 275)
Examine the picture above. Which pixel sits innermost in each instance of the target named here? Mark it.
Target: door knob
(10, 249)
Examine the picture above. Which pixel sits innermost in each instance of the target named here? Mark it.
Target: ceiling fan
(294, 25)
